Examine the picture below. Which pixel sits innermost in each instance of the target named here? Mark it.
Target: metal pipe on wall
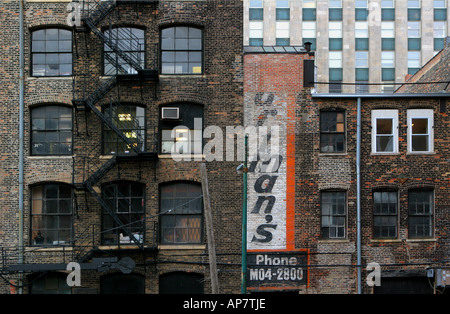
(21, 132)
(358, 192)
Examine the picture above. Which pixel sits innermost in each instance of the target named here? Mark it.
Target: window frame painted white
(421, 114)
(385, 114)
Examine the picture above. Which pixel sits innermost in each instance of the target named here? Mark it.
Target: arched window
(51, 130)
(51, 283)
(126, 200)
(122, 284)
(181, 210)
(129, 40)
(51, 214)
(178, 125)
(51, 52)
(181, 50)
(130, 120)
(181, 283)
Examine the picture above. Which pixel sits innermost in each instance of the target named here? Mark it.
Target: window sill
(51, 157)
(169, 247)
(126, 246)
(49, 249)
(421, 240)
(385, 240)
(420, 153)
(385, 154)
(49, 0)
(178, 76)
(333, 154)
(58, 78)
(334, 241)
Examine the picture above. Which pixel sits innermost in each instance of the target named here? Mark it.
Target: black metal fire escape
(94, 90)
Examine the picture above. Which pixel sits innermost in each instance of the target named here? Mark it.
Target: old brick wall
(219, 90)
(400, 172)
(272, 85)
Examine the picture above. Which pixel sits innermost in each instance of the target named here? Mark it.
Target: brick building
(364, 179)
(104, 84)
(91, 179)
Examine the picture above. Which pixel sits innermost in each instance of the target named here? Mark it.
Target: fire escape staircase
(93, 13)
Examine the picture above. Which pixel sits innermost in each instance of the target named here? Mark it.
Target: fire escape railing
(93, 90)
(79, 250)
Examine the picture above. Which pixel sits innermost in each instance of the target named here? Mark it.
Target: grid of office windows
(256, 24)
(309, 16)
(283, 14)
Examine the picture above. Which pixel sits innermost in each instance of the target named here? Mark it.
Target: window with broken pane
(333, 210)
(332, 131)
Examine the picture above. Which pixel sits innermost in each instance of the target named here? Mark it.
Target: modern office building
(376, 43)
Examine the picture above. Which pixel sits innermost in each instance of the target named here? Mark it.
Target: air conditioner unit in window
(170, 113)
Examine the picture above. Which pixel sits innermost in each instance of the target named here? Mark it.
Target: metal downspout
(21, 131)
(358, 193)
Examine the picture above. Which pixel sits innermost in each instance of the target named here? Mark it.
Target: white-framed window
(387, 59)
(256, 29)
(282, 29)
(413, 29)
(335, 29)
(420, 130)
(335, 59)
(414, 59)
(309, 29)
(361, 30)
(362, 59)
(384, 131)
(388, 29)
(439, 29)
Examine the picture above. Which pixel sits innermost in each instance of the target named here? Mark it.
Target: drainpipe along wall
(21, 131)
(358, 193)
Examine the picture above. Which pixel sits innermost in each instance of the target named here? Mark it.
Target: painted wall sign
(277, 269)
(267, 175)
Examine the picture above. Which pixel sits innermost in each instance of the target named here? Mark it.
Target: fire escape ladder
(132, 43)
(100, 172)
(127, 61)
(97, 10)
